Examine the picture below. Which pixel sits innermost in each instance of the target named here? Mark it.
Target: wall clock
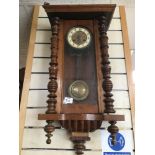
(80, 97)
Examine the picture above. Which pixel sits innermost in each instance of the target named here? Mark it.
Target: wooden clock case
(86, 116)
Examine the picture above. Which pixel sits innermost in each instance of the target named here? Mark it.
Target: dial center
(79, 37)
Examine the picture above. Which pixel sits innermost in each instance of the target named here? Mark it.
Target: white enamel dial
(78, 37)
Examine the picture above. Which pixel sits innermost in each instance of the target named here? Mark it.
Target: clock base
(80, 125)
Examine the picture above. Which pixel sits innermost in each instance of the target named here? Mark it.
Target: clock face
(79, 90)
(78, 37)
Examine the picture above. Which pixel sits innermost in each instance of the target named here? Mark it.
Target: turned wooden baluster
(106, 70)
(79, 143)
(52, 85)
(113, 129)
(79, 146)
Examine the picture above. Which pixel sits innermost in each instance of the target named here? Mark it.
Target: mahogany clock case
(89, 64)
(83, 64)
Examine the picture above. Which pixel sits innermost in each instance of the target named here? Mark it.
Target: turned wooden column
(52, 85)
(113, 129)
(79, 140)
(106, 70)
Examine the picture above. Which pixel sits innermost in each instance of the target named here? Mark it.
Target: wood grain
(90, 8)
(42, 12)
(32, 120)
(128, 62)
(44, 24)
(27, 78)
(98, 69)
(82, 117)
